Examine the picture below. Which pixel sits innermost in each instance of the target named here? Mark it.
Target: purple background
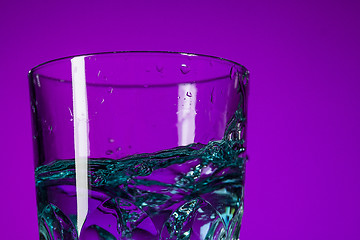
(303, 136)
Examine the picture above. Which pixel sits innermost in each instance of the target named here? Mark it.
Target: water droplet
(184, 68)
(178, 97)
(189, 94)
(38, 80)
(99, 73)
(71, 114)
(159, 68)
(234, 74)
(245, 77)
(118, 149)
(110, 90)
(212, 96)
(102, 101)
(111, 140)
(109, 152)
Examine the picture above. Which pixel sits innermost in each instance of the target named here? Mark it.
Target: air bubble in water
(184, 68)
(111, 140)
(159, 68)
(110, 90)
(189, 94)
(109, 152)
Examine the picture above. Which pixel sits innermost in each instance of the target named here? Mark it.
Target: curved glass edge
(119, 52)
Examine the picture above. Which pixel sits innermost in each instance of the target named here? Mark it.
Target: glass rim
(37, 67)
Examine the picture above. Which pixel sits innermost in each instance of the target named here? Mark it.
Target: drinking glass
(139, 145)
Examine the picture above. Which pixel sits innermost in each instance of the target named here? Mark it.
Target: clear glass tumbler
(139, 145)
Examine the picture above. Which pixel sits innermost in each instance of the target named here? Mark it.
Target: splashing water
(189, 192)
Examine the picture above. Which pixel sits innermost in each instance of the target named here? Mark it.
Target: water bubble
(234, 73)
(99, 73)
(212, 96)
(102, 101)
(245, 77)
(189, 94)
(118, 149)
(110, 90)
(71, 114)
(111, 140)
(109, 152)
(184, 68)
(159, 68)
(38, 80)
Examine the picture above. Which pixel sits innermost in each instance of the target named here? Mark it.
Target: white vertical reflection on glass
(187, 94)
(81, 137)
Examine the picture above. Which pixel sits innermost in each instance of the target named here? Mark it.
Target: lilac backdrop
(303, 136)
